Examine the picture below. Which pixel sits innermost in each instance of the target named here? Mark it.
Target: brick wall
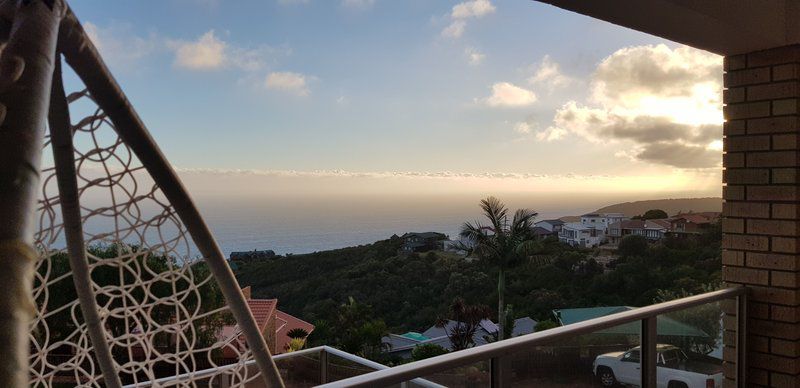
(761, 212)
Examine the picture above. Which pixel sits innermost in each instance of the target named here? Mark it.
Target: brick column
(762, 208)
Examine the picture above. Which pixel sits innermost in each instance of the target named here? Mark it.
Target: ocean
(304, 225)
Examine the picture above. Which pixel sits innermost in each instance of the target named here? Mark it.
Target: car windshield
(673, 357)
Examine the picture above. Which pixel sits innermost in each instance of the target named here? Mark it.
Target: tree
(544, 325)
(298, 339)
(424, 351)
(141, 286)
(503, 243)
(297, 332)
(654, 214)
(632, 246)
(463, 321)
(353, 330)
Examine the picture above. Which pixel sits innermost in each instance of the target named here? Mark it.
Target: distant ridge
(671, 206)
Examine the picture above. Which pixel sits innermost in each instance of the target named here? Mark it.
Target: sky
(379, 97)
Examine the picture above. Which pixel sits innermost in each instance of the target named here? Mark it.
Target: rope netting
(161, 309)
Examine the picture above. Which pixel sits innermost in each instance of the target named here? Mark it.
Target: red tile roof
(262, 309)
(286, 322)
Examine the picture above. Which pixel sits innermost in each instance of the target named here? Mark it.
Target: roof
(415, 336)
(425, 235)
(539, 231)
(522, 326)
(434, 331)
(665, 325)
(581, 226)
(695, 218)
(285, 323)
(724, 27)
(642, 224)
(660, 222)
(262, 310)
(552, 222)
(396, 341)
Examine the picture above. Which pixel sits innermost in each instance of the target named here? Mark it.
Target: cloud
(472, 9)
(524, 128)
(455, 29)
(663, 103)
(461, 12)
(548, 73)
(505, 94)
(118, 45)
(209, 52)
(294, 83)
(474, 57)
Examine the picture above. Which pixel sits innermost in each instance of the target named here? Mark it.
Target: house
(253, 255)
(273, 324)
(401, 345)
(285, 323)
(692, 223)
(459, 246)
(590, 231)
(551, 227)
(665, 326)
(539, 232)
(653, 230)
(421, 242)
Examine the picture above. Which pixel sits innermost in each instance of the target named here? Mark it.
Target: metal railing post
(496, 368)
(323, 366)
(741, 340)
(648, 352)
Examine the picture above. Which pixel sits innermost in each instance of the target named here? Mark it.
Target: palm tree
(465, 321)
(503, 243)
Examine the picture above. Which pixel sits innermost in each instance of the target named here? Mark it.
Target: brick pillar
(762, 208)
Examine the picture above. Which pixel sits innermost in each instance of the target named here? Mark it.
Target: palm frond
(497, 213)
(523, 220)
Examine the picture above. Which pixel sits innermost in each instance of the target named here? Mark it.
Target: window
(632, 356)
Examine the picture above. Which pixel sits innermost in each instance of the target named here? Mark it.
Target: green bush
(424, 351)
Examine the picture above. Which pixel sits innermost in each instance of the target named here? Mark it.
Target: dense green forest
(409, 293)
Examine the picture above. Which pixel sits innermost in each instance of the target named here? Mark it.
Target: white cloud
(209, 52)
(461, 12)
(455, 29)
(474, 57)
(294, 83)
(505, 94)
(548, 73)
(663, 103)
(523, 128)
(118, 45)
(472, 9)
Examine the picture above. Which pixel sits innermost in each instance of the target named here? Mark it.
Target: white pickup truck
(674, 369)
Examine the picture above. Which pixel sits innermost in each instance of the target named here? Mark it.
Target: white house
(551, 225)
(591, 231)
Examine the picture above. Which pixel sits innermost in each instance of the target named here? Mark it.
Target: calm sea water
(292, 225)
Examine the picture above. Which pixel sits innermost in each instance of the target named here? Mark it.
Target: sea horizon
(306, 225)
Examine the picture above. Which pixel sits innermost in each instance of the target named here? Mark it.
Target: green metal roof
(415, 336)
(666, 325)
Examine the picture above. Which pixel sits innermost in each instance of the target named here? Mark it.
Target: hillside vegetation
(409, 293)
(671, 206)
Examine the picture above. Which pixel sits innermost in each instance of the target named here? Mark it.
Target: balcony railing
(307, 367)
(497, 354)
